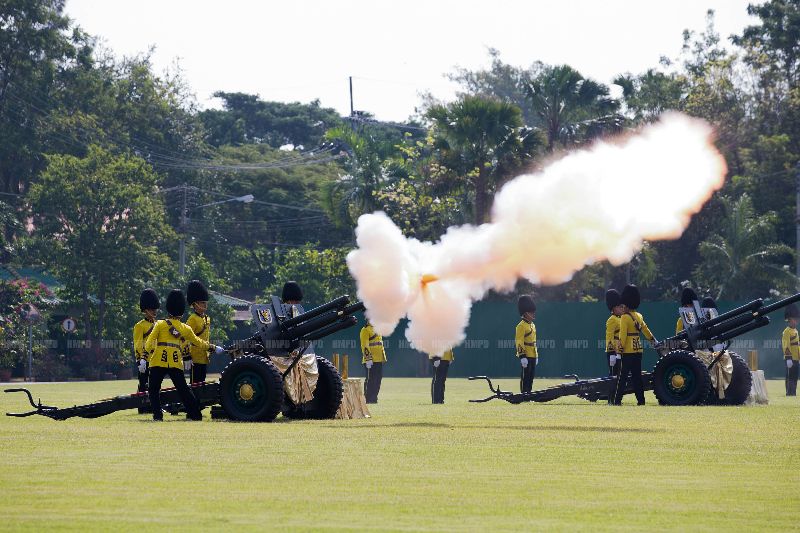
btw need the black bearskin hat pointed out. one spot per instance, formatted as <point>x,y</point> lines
<point>688,296</point>
<point>613,298</point>
<point>176,303</point>
<point>709,303</point>
<point>292,292</point>
<point>631,297</point>
<point>196,292</point>
<point>525,304</point>
<point>149,300</point>
<point>791,312</point>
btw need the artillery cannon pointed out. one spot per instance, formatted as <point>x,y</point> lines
<point>251,387</point>
<point>689,372</point>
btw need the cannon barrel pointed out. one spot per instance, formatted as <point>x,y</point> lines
<point>741,330</point>
<point>322,321</point>
<point>338,303</point>
<point>752,306</point>
<point>779,304</point>
<point>724,327</point>
<point>345,323</point>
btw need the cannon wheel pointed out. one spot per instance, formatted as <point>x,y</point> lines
<point>251,389</point>
<point>327,396</point>
<point>741,382</point>
<point>681,378</point>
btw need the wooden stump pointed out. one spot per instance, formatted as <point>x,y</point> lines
<point>758,394</point>
<point>354,404</point>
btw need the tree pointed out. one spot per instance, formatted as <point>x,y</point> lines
<point>571,107</point>
<point>323,275</point>
<point>743,260</point>
<point>648,95</point>
<point>102,231</point>
<point>482,140</point>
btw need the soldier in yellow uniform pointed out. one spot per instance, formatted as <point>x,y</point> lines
<point>149,305</point>
<point>441,364</point>
<point>613,347</point>
<point>169,341</point>
<point>688,297</point>
<point>197,298</point>
<point>631,325</point>
<point>525,341</point>
<point>373,359</point>
<point>791,348</point>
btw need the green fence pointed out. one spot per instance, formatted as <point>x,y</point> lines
<point>571,339</point>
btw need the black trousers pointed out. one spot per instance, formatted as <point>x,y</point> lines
<point>631,364</point>
<point>157,374</point>
<point>437,383</point>
<point>372,385</point>
<point>198,373</point>
<point>527,375</point>
<point>143,378</point>
<point>791,379</point>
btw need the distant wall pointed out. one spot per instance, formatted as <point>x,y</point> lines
<point>571,339</point>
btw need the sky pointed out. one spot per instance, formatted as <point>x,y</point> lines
<point>304,50</point>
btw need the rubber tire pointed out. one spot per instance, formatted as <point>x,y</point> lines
<point>327,396</point>
<point>741,382</point>
<point>266,405</point>
<point>702,380</point>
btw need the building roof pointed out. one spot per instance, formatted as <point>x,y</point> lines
<point>241,308</point>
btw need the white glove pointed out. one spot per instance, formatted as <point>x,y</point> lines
<point>789,363</point>
<point>187,365</point>
<point>524,362</point>
<point>612,359</point>
<point>619,357</point>
<point>537,361</point>
<point>436,363</point>
<point>369,364</point>
<point>219,350</point>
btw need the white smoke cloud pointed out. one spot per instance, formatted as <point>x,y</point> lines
<point>596,204</point>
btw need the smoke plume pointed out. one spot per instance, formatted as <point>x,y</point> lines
<point>594,204</point>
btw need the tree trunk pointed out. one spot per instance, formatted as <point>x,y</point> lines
<point>481,197</point>
<point>86,310</point>
<point>101,314</point>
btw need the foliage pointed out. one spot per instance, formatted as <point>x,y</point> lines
<point>743,260</point>
<point>323,275</point>
<point>20,301</point>
<point>246,119</point>
<point>481,141</point>
<point>104,230</point>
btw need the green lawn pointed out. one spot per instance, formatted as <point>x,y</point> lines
<point>566,465</point>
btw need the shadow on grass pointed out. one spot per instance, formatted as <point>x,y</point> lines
<point>580,429</point>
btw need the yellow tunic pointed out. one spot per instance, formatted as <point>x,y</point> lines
<point>371,345</point>
<point>525,339</point>
<point>630,326</point>
<point>446,356</point>
<point>612,335</point>
<point>201,325</point>
<point>679,326</point>
<point>791,344</point>
<point>140,332</point>
<point>168,350</point>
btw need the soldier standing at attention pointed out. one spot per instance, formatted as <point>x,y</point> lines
<point>613,349</point>
<point>373,359</point>
<point>197,362</point>
<point>441,363</point>
<point>791,348</point>
<point>631,325</point>
<point>525,341</point>
<point>149,305</point>
<point>167,343</point>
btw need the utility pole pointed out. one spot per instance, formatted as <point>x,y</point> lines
<point>351,96</point>
<point>797,219</point>
<point>184,216</point>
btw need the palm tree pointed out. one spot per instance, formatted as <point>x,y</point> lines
<point>571,107</point>
<point>742,260</point>
<point>481,140</point>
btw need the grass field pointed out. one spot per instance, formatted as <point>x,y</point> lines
<point>565,465</point>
